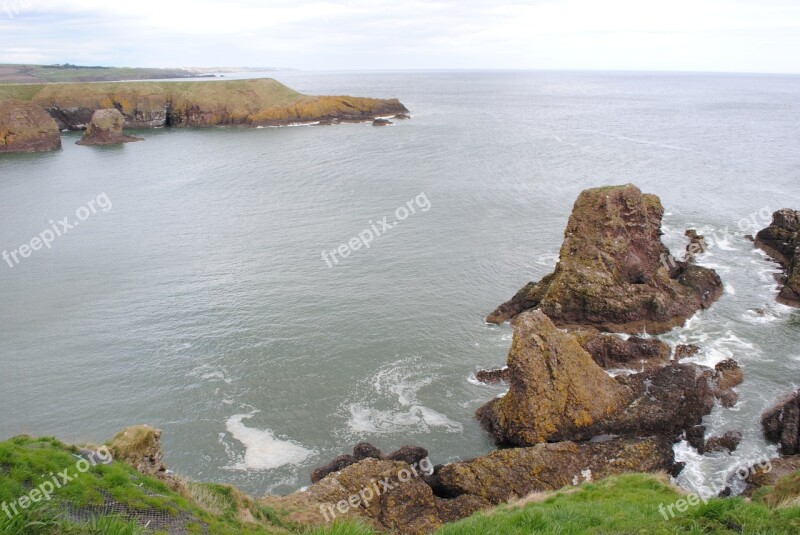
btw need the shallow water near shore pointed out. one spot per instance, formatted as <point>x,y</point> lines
<point>201,303</point>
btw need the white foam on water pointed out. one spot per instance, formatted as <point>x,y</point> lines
<point>397,385</point>
<point>263,451</point>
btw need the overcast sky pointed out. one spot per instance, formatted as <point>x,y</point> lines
<point>684,35</point>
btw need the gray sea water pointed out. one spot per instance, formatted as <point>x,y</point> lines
<point>199,302</point>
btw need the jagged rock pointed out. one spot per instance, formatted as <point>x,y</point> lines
<point>492,376</point>
<point>338,463</point>
<point>781,424</point>
<point>729,375</point>
<point>696,437</point>
<point>555,387</point>
<point>389,495</point>
<point>677,468</point>
<point>697,245</point>
<point>684,351</point>
<point>727,442</point>
<point>408,454</point>
<point>614,273</point>
<point>766,474</point>
<point>507,474</point>
<point>780,241</point>
<point>364,450</point>
<point>105,128</point>
<point>381,122</point>
<point>26,127</point>
<point>610,351</point>
<point>557,392</point>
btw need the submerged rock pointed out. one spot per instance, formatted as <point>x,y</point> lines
<point>614,273</point>
<point>781,424</point>
<point>780,241</point>
<point>381,122</point>
<point>25,127</point>
<point>727,442</point>
<point>105,128</point>
<point>558,392</point>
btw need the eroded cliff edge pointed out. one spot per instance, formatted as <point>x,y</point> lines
<point>259,102</point>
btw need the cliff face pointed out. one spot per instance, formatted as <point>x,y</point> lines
<point>263,102</point>
<point>780,241</point>
<point>25,127</point>
<point>614,273</point>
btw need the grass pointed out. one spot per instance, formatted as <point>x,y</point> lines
<point>72,73</point>
<point>628,504</point>
<point>620,505</point>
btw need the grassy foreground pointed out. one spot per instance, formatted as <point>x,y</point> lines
<point>114,499</point>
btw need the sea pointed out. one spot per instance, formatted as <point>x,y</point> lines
<point>270,297</point>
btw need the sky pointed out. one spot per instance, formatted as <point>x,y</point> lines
<point>650,35</point>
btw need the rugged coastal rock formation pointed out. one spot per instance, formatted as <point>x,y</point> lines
<point>612,352</point>
<point>557,392</point>
<point>105,128</point>
<point>781,424</point>
<point>507,474</point>
<point>25,127</point>
<point>780,241</point>
<point>365,450</point>
<point>614,273</point>
<point>262,102</point>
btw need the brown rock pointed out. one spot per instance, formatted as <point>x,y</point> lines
<point>684,351</point>
<point>557,392</point>
<point>140,447</point>
<point>105,128</point>
<point>614,273</point>
<point>492,376</point>
<point>781,424</point>
<point>780,241</point>
<point>25,127</point>
<point>729,375</point>
<point>766,473</point>
<point>381,122</point>
<point>339,463</point>
<point>610,351</point>
<point>727,442</point>
<point>409,454</point>
<point>365,450</point>
<point>555,388</point>
<point>513,473</point>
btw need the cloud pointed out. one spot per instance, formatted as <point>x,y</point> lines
<point>738,35</point>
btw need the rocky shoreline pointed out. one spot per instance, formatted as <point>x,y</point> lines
<point>143,105</point>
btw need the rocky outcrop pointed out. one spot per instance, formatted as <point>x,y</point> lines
<point>140,447</point>
<point>262,102</point>
<point>780,241</point>
<point>105,128</point>
<point>728,376</point>
<point>557,392</point>
<point>493,376</point>
<point>25,127</point>
<point>612,352</point>
<point>381,122</point>
<point>614,273</point>
<point>781,424</point>
<point>364,450</point>
<point>727,442</point>
<point>508,474</point>
<point>767,474</point>
<point>389,495</point>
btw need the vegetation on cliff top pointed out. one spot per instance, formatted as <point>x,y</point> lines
<point>114,499</point>
<point>22,74</point>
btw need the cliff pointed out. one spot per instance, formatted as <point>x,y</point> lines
<point>261,102</point>
<point>25,127</point>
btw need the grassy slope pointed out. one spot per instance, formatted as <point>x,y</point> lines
<point>623,504</point>
<point>13,74</point>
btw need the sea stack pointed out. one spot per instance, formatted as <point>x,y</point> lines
<point>614,273</point>
<point>105,128</point>
<point>26,127</point>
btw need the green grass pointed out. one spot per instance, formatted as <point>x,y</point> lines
<point>620,505</point>
<point>628,504</point>
<point>10,73</point>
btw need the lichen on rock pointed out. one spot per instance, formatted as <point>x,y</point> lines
<point>105,128</point>
<point>614,273</point>
<point>25,127</point>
